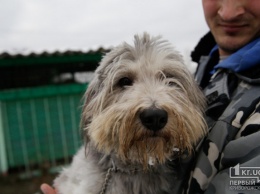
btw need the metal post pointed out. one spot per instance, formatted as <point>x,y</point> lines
<point>3,156</point>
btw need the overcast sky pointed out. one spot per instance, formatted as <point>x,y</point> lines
<point>49,25</point>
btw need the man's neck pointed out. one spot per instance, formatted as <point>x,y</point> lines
<point>222,58</point>
<point>223,52</point>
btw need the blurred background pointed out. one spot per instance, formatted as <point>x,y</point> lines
<point>48,52</point>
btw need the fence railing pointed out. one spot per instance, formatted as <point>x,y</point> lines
<point>39,126</point>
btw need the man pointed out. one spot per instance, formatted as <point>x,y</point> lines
<point>230,78</point>
<point>229,74</point>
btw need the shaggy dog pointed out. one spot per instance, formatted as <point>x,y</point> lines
<point>143,112</point>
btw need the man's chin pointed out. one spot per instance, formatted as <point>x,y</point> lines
<point>229,44</point>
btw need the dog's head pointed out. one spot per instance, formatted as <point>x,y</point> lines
<point>143,103</point>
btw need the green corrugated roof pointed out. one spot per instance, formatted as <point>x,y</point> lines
<point>50,58</point>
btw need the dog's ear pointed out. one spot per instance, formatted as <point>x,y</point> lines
<point>101,73</point>
<point>91,91</point>
<point>93,102</point>
<point>88,107</point>
<point>95,87</point>
<point>124,51</point>
<point>90,94</point>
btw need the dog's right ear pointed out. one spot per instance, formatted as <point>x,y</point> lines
<point>95,86</point>
<point>91,92</point>
<point>88,107</point>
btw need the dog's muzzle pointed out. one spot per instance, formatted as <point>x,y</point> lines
<point>154,119</point>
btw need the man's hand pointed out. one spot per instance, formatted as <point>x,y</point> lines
<point>47,189</point>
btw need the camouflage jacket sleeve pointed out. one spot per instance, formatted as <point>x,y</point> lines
<point>229,158</point>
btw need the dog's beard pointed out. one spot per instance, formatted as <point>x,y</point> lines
<point>121,132</point>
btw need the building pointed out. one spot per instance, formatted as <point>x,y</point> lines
<point>40,105</point>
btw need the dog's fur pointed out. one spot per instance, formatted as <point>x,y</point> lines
<point>124,154</point>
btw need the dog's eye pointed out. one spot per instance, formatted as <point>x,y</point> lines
<point>172,84</point>
<point>125,81</point>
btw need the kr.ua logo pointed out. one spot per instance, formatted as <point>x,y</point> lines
<point>239,172</point>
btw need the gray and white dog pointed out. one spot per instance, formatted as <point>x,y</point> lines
<point>142,111</point>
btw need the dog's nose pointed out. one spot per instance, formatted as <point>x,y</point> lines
<point>153,118</point>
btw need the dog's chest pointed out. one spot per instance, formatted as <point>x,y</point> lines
<point>86,175</point>
<point>140,182</point>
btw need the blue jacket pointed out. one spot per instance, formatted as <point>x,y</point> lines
<point>242,60</point>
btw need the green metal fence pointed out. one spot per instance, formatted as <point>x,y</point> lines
<point>39,125</point>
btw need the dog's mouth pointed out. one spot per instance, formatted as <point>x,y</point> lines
<point>151,135</point>
<point>155,134</point>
